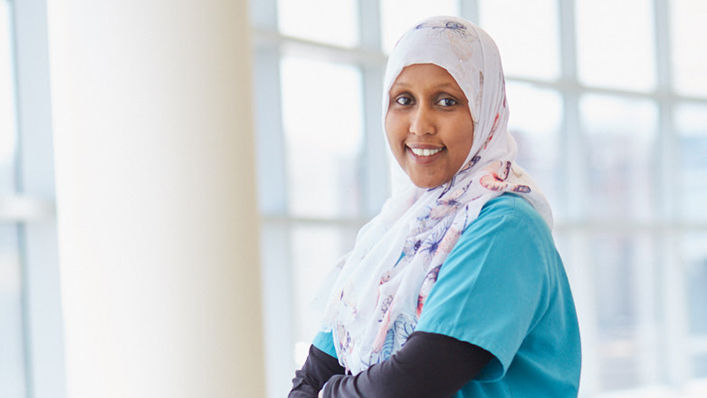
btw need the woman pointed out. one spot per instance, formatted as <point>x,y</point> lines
<point>455,288</point>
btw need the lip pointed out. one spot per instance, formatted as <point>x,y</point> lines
<point>424,146</point>
<point>424,159</point>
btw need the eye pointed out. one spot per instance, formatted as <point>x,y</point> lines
<point>447,102</point>
<point>403,100</point>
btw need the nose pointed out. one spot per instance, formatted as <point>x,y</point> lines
<point>422,121</point>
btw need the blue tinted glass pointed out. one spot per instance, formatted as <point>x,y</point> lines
<point>7,104</point>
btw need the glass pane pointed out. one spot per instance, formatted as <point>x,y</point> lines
<point>329,21</point>
<point>689,45</point>
<point>620,146</point>
<point>700,367</point>
<point>694,253</point>
<point>397,16</point>
<point>315,250</point>
<point>691,122</point>
<point>619,50</point>
<point>12,377</point>
<point>620,263</point>
<point>7,104</point>
<point>323,119</point>
<point>526,33</point>
<point>535,120</point>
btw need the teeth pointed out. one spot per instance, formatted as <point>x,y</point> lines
<point>425,151</point>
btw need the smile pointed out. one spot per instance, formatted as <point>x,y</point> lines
<point>425,151</point>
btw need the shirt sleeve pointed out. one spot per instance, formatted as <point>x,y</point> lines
<point>493,286</point>
<point>317,369</point>
<point>428,366</point>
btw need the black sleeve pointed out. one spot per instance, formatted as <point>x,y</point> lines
<point>429,365</point>
<point>317,369</point>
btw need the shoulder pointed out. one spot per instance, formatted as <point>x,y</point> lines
<point>508,216</point>
<point>510,206</point>
<point>508,235</point>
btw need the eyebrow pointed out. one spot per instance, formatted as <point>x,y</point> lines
<point>439,86</point>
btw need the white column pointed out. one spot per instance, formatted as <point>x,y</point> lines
<point>157,219</point>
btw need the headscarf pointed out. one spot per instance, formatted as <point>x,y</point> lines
<point>381,285</point>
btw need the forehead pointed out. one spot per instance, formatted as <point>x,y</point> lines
<point>425,76</point>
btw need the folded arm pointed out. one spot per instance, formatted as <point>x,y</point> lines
<point>429,365</point>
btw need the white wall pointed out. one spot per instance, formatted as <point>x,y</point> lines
<point>156,208</point>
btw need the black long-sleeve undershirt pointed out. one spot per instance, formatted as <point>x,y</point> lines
<point>317,369</point>
<point>429,365</point>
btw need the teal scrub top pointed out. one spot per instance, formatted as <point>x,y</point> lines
<point>504,288</point>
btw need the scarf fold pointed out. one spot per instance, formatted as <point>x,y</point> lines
<point>380,287</point>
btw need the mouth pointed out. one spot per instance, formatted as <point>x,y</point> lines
<point>425,154</point>
<point>425,151</point>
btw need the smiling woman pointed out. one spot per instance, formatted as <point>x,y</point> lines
<point>455,288</point>
<point>632,213</point>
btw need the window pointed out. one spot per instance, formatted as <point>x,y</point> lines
<point>31,358</point>
<point>610,119</point>
<point>12,358</point>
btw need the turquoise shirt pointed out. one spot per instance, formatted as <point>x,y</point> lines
<point>504,288</point>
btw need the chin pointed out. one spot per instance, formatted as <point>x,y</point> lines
<point>427,183</point>
<point>429,179</point>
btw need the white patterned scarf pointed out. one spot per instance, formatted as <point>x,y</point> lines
<point>381,285</point>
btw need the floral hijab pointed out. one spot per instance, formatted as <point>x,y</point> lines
<point>381,285</point>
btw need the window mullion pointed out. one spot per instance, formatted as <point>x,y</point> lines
<point>665,182</point>
<point>574,187</point>
<point>373,157</point>
<point>574,179</point>
<point>672,271</point>
<point>469,9</point>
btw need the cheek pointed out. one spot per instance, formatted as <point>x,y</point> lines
<point>394,131</point>
<point>463,140</point>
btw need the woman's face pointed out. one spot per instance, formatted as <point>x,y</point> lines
<point>428,124</point>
